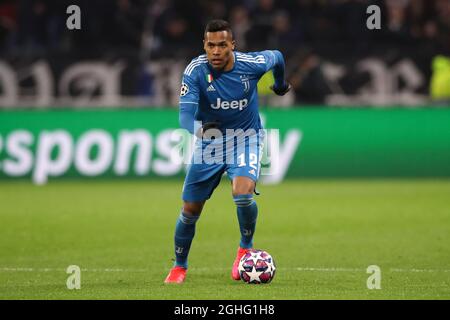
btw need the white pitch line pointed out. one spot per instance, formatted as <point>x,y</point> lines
<point>195,269</point>
<point>419,270</point>
<point>329,269</point>
<point>9,269</point>
<point>364,270</point>
<point>16,269</point>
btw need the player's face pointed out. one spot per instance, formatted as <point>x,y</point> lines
<point>219,48</point>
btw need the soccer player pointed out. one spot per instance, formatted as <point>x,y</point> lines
<point>219,94</point>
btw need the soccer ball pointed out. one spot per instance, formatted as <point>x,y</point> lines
<point>256,266</point>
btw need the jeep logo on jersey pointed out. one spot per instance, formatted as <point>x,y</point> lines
<point>235,104</point>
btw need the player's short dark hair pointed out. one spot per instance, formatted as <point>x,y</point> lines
<point>218,25</point>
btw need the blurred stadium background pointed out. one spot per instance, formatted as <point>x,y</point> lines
<point>132,53</point>
<point>89,115</point>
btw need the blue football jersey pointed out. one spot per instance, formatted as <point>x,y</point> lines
<point>229,97</point>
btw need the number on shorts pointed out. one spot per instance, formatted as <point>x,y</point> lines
<point>253,160</point>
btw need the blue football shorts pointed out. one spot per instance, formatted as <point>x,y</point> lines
<point>210,160</point>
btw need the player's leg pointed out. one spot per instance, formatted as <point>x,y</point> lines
<point>184,233</point>
<point>200,182</point>
<point>247,210</point>
<point>244,174</point>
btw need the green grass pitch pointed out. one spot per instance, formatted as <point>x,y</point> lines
<point>323,234</point>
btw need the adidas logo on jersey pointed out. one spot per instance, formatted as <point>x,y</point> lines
<point>211,88</point>
<point>235,104</point>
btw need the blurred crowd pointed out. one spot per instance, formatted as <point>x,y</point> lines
<point>171,27</point>
<point>305,30</point>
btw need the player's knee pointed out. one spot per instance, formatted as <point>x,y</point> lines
<point>243,189</point>
<point>193,208</point>
<point>242,185</point>
<point>243,200</point>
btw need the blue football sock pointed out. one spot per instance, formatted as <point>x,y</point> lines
<point>184,233</point>
<point>247,212</point>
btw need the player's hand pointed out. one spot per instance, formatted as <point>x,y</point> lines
<point>281,91</point>
<point>203,132</point>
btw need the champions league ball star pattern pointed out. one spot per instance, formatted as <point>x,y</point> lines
<point>257,266</point>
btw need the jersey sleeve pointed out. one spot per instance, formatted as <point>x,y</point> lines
<point>274,60</point>
<point>189,93</point>
<point>271,59</point>
<point>189,99</point>
<point>263,61</point>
